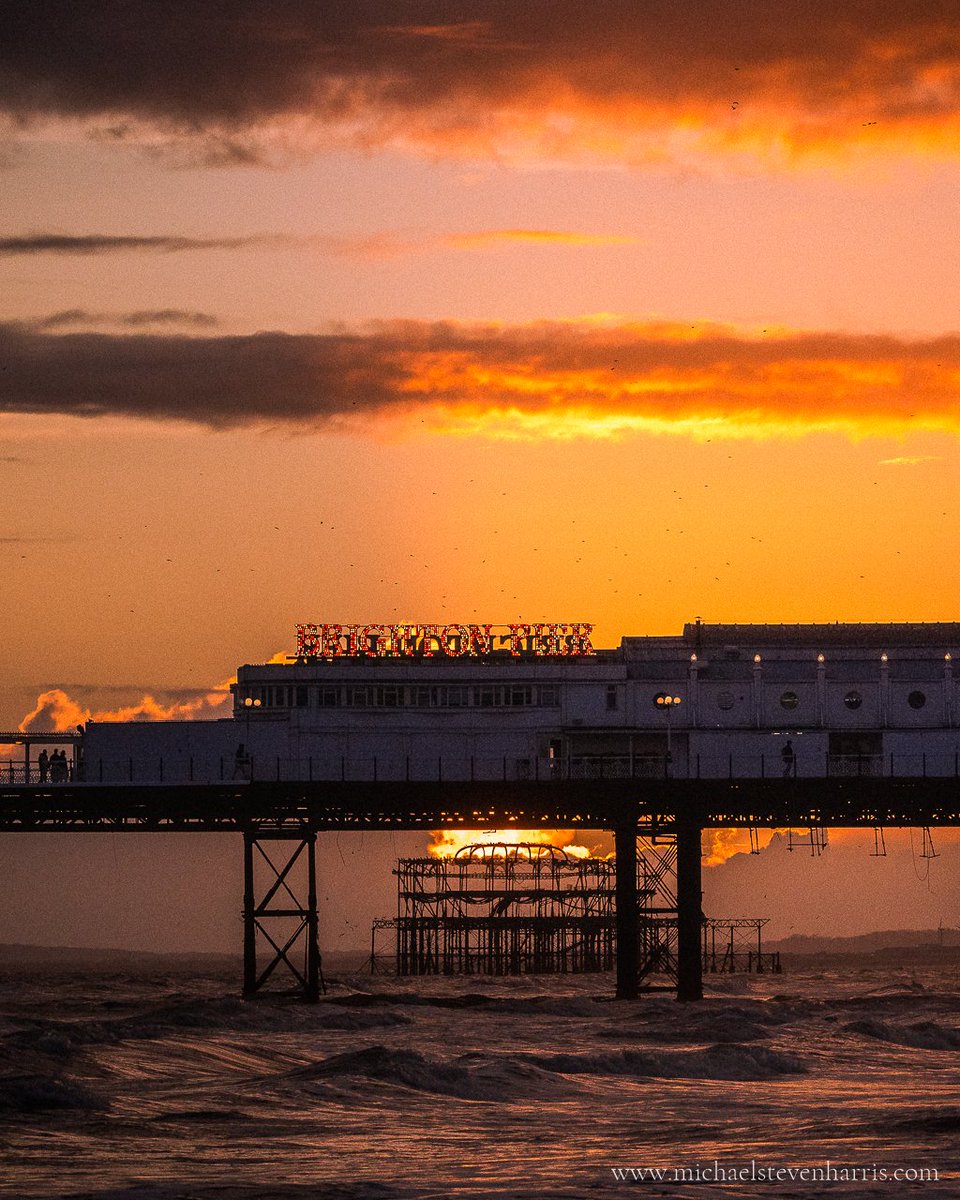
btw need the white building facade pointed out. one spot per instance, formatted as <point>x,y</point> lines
<point>714,702</point>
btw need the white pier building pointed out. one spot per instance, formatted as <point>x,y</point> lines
<point>456,702</point>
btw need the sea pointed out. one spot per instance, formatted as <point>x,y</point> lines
<point>134,1081</point>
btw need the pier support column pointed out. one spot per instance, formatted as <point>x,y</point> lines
<point>279,922</point>
<point>625,837</point>
<point>689,911</point>
<point>312,931</point>
<point>249,919</point>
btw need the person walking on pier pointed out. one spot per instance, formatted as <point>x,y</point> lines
<point>43,762</point>
<point>788,754</point>
<point>241,763</point>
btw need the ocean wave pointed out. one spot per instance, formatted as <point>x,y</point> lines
<point>923,1035</point>
<point>921,1120</point>
<point>723,1061</point>
<point>502,1079</point>
<point>703,1027</point>
<point>338,1020</point>
<point>911,998</point>
<point>201,1115</point>
<point>60,1039</point>
<point>553,1006</point>
<point>41,1093</point>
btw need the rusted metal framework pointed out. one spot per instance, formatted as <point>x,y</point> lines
<point>506,910</point>
<point>737,945</point>
<point>729,945</point>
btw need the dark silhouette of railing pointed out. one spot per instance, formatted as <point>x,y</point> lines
<point>173,769</point>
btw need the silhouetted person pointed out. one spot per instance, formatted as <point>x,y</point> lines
<point>240,763</point>
<point>788,754</point>
<point>43,762</point>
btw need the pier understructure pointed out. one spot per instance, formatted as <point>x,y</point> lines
<point>530,908</point>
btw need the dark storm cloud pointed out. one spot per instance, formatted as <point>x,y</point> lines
<point>217,381</point>
<point>561,377</point>
<point>380,245</point>
<point>143,318</point>
<point>55,243</point>
<point>428,71</point>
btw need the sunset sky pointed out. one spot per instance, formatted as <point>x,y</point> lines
<point>623,313</point>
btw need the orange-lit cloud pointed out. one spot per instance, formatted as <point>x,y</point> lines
<point>589,378</point>
<point>56,710</point>
<point>719,845</point>
<point>643,82</point>
<point>910,460</point>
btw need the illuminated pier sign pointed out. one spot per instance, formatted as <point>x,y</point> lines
<point>454,641</point>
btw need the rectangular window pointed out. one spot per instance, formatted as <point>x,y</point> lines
<point>303,697</point>
<point>357,697</point>
<point>390,697</point>
<point>422,697</point>
<point>486,697</point>
<point>550,696</point>
<point>516,696</point>
<point>613,700</point>
<point>328,697</point>
<point>457,697</point>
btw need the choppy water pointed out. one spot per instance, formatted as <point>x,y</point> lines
<point>162,1086</point>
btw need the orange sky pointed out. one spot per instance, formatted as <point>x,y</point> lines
<point>616,313</point>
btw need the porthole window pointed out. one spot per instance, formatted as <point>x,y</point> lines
<point>789,700</point>
<point>726,700</point>
<point>916,699</point>
<point>853,699</point>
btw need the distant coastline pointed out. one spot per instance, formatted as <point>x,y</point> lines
<point>907,947</point>
<point>17,956</point>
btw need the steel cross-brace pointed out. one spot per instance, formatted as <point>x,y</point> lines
<point>286,925</point>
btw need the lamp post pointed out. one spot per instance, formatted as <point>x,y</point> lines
<point>248,757</point>
<point>669,703</point>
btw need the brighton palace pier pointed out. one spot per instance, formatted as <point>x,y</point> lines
<point>529,726</point>
<point>539,702</point>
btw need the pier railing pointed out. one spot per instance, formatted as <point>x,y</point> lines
<point>456,768</point>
